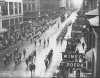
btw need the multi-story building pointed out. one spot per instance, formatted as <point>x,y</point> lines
<point>29,8</point>
<point>90,4</point>
<point>32,8</point>
<point>11,13</point>
<point>52,4</point>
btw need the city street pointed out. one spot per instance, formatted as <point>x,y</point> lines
<point>49,39</point>
<point>52,33</point>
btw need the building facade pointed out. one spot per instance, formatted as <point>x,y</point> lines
<point>90,5</point>
<point>30,8</point>
<point>11,13</point>
<point>29,5</point>
<point>52,4</point>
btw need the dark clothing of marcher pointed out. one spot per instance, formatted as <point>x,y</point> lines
<point>46,63</point>
<point>40,41</point>
<point>34,53</point>
<point>44,43</point>
<point>27,61</point>
<point>83,45</point>
<point>32,67</point>
<point>24,52</point>
<point>35,43</point>
<point>48,59</point>
<point>48,41</point>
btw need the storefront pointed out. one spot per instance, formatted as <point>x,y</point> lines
<point>94,22</point>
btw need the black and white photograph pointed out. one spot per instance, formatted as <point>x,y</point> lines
<point>49,39</point>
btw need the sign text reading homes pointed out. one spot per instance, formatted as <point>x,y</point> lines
<point>74,60</point>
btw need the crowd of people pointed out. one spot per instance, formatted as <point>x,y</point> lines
<point>76,45</point>
<point>48,59</point>
<point>15,57</point>
<point>27,31</point>
<point>71,48</point>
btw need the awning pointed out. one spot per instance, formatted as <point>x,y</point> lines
<point>94,21</point>
<point>93,12</point>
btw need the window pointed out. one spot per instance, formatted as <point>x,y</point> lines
<point>16,8</point>
<point>20,8</point>
<point>4,8</point>
<point>20,19</point>
<point>24,7</point>
<point>33,7</point>
<point>11,22</point>
<point>11,8</point>
<point>29,7</point>
<point>16,20</point>
<point>5,23</point>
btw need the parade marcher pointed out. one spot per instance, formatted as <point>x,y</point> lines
<point>50,55</point>
<point>27,61</point>
<point>44,43</point>
<point>34,56</point>
<point>30,58</point>
<point>58,25</point>
<point>5,60</point>
<point>20,56</point>
<point>32,66</point>
<point>77,51</point>
<point>31,40</point>
<point>10,57</point>
<point>48,41</point>
<point>61,41</point>
<point>24,52</point>
<point>16,52</point>
<point>40,41</point>
<point>83,45</point>
<point>73,47</point>
<point>35,43</point>
<point>48,59</point>
<point>16,63</point>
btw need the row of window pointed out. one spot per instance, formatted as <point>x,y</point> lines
<point>89,5</point>
<point>29,7</point>
<point>11,22</point>
<point>13,6</point>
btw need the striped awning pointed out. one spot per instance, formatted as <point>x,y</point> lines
<point>94,21</point>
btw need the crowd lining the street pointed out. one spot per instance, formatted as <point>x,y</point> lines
<point>27,31</point>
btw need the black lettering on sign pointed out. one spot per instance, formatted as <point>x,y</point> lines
<point>75,65</point>
<point>73,56</point>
